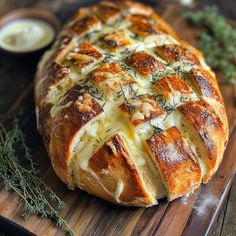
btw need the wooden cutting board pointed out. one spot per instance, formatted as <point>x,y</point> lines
<point>89,215</point>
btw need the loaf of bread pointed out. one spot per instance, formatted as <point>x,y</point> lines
<point>127,109</point>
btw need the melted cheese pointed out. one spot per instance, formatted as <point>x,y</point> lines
<point>119,189</point>
<point>94,134</point>
<point>56,109</point>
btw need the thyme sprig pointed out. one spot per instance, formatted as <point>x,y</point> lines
<point>19,173</point>
<point>161,74</point>
<point>121,93</point>
<point>156,129</point>
<point>168,107</point>
<point>94,92</point>
<point>218,42</point>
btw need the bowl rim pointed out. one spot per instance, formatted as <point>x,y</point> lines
<point>30,13</point>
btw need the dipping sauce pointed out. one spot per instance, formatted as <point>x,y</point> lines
<point>26,35</point>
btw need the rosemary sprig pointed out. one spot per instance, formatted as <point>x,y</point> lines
<point>20,174</point>
<point>218,43</point>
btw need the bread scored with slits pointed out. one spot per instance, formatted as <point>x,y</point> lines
<point>127,109</point>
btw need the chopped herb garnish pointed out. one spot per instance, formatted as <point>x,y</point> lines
<point>126,52</point>
<point>121,93</point>
<point>159,99</point>
<point>185,99</point>
<point>104,104</point>
<point>156,129</point>
<point>167,107</point>
<point>170,108</point>
<point>108,57</point>
<point>132,90</point>
<point>134,36</point>
<point>161,74</point>
<point>124,66</point>
<point>93,92</point>
<point>108,130</point>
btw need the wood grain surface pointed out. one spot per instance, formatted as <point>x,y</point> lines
<point>89,215</point>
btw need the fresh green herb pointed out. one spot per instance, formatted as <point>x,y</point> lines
<point>108,57</point>
<point>181,69</point>
<point>167,107</point>
<point>99,140</point>
<point>121,93</point>
<point>94,92</point>
<point>170,108</point>
<point>218,43</point>
<point>134,36</point>
<point>161,74</point>
<point>185,99</point>
<point>19,173</point>
<point>159,99</point>
<point>88,36</point>
<point>126,52</point>
<point>156,129</point>
<point>133,75</point>
<point>108,130</point>
<point>132,90</point>
<point>124,66</point>
<point>104,104</point>
<point>97,143</point>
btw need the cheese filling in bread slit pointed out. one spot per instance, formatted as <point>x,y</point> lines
<point>96,133</point>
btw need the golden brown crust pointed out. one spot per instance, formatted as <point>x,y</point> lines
<point>101,74</point>
<point>108,12</point>
<point>83,56</point>
<point>65,125</point>
<point>144,63</point>
<point>210,129</point>
<point>116,40</point>
<point>87,49</point>
<point>204,83</point>
<point>135,7</point>
<point>176,53</point>
<point>51,76</point>
<point>176,161</point>
<point>85,25</point>
<point>172,84</point>
<point>112,163</point>
<point>142,25</point>
<point>112,75</point>
<point>62,46</point>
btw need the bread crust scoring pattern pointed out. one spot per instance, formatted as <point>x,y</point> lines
<point>127,109</point>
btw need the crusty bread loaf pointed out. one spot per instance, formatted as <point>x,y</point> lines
<point>127,109</point>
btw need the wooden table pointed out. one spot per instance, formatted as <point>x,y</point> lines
<point>16,78</point>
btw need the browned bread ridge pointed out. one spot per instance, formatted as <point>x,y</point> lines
<point>127,109</point>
